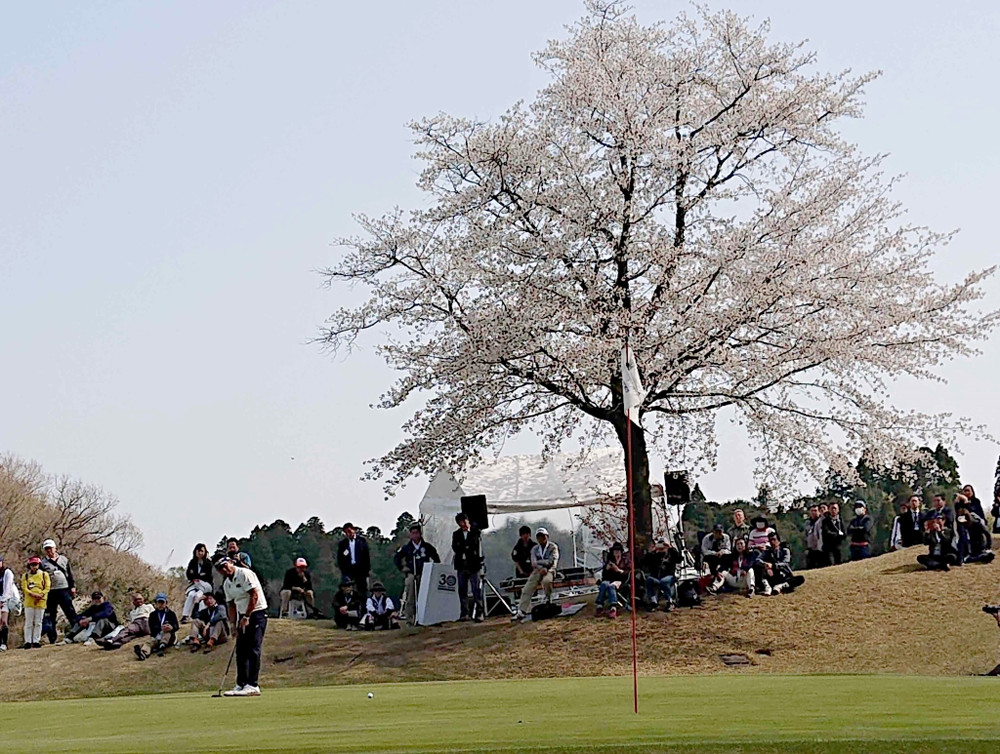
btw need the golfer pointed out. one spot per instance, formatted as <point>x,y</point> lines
<point>248,614</point>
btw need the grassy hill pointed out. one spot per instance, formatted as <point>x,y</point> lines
<point>880,616</point>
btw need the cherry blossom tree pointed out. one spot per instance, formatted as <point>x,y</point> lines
<point>686,187</point>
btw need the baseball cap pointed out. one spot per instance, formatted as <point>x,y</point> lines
<point>34,560</point>
<point>378,586</point>
<point>300,562</point>
<point>541,530</point>
<point>48,543</point>
<point>96,595</point>
<point>718,527</point>
<point>347,581</point>
<point>161,597</point>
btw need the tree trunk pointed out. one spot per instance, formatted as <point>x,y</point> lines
<point>642,498</point>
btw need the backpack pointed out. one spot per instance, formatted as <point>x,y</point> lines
<point>687,593</point>
<point>545,610</point>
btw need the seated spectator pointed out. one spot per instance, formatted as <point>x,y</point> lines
<point>736,572</point>
<point>974,542</point>
<point>740,528</point>
<point>612,578</point>
<point>544,559</point>
<point>660,566</point>
<point>97,621</point>
<point>199,575</point>
<point>715,547</point>
<point>209,626</point>
<point>163,627</point>
<point>138,625</point>
<point>380,612</point>
<point>297,585</point>
<point>347,606</point>
<point>758,537</point>
<point>521,554</point>
<point>773,570</point>
<point>859,532</point>
<point>940,509</point>
<point>941,552</point>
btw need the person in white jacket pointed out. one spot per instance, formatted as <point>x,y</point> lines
<point>7,594</point>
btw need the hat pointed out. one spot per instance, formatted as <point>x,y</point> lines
<point>718,527</point>
<point>161,597</point>
<point>347,581</point>
<point>300,562</point>
<point>34,560</point>
<point>378,586</point>
<point>48,543</point>
<point>860,504</point>
<point>96,595</point>
<point>541,530</point>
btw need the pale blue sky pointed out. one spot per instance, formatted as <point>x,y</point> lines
<point>172,174</point>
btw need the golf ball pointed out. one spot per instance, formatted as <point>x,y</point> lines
<point>371,695</point>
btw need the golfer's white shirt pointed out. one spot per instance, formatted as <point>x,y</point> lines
<point>238,587</point>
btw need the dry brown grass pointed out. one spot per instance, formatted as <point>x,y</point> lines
<point>880,616</point>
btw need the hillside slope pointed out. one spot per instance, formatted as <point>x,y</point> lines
<point>880,616</point>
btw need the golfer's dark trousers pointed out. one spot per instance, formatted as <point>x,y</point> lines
<point>248,643</point>
<point>59,598</point>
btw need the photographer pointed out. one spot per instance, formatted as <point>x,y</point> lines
<point>941,553</point>
<point>410,559</point>
<point>973,536</point>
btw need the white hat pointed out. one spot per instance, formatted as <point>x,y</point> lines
<point>49,543</point>
<point>541,530</point>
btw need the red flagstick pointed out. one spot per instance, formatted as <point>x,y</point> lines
<point>631,535</point>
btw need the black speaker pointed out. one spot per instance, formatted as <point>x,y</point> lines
<point>474,506</point>
<point>675,488</point>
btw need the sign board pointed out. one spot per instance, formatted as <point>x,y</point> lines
<point>437,601</point>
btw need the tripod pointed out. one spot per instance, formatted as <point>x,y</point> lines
<point>501,600</point>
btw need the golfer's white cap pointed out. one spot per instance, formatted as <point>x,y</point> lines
<point>541,530</point>
<point>300,562</point>
<point>48,543</point>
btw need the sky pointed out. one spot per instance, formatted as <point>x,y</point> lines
<point>173,175</point>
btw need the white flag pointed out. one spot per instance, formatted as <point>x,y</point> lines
<point>632,393</point>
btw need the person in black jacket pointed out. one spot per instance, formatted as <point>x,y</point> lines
<point>354,560</point>
<point>347,606</point>
<point>974,542</point>
<point>660,567</point>
<point>859,532</point>
<point>773,570</point>
<point>163,627</point>
<point>975,505</point>
<point>521,554</point>
<point>199,576</point>
<point>941,553</point>
<point>832,530</point>
<point>298,585</point>
<point>95,622</point>
<point>466,543</point>
<point>410,559</point>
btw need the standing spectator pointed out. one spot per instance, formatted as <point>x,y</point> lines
<point>163,628</point>
<point>248,615</point>
<point>740,528</point>
<point>544,559</point>
<point>209,626</point>
<point>380,612</point>
<point>138,625</point>
<point>6,601</point>
<point>814,537</point>
<point>906,526</point>
<point>354,559</point>
<point>859,532</point>
<point>996,515</point>
<point>737,570</point>
<point>35,585</point>
<point>241,559</point>
<point>199,576</point>
<point>466,543</point>
<point>347,608</point>
<point>410,559</point>
<point>714,547</point>
<point>63,587</point>
<point>298,585</point>
<point>660,566</point>
<point>757,540</point>
<point>973,535</point>
<point>975,505</point>
<point>521,554</point>
<point>941,553</point>
<point>612,578</point>
<point>832,529</point>
<point>96,622</point>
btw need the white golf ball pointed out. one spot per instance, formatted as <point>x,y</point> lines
<point>371,695</point>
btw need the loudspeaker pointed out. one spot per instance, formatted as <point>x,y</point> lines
<point>676,490</point>
<point>474,506</point>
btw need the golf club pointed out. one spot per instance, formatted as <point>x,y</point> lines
<point>224,675</point>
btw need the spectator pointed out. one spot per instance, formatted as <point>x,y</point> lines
<point>63,587</point>
<point>410,559</point>
<point>975,505</point>
<point>544,559</point>
<point>466,543</point>
<point>996,516</point>
<point>242,559</point>
<point>814,539</point>
<point>297,585</point>
<point>736,572</point>
<point>347,605</point>
<point>940,509</point>
<point>715,547</point>
<point>832,529</point>
<point>163,628</point>
<point>660,566</point>
<point>941,553</point>
<point>758,537</point>
<point>96,622</point>
<point>199,576</point>
<point>209,626</point>
<point>973,535</point>
<point>740,528</point>
<point>774,568</point>
<point>6,602</point>
<point>247,607</point>
<point>354,559</point>
<point>380,612</point>
<point>35,585</point>
<point>138,625</point>
<point>521,554</point>
<point>612,578</point>
<point>859,532</point>
<point>906,526</point>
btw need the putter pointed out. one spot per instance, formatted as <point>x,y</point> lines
<point>224,675</point>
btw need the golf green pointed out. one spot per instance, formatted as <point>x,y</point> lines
<point>700,713</point>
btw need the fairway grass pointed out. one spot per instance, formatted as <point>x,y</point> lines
<point>700,713</point>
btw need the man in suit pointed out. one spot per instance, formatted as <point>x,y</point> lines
<point>466,543</point>
<point>354,560</point>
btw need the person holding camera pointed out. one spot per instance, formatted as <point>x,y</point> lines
<point>410,559</point>
<point>941,552</point>
<point>974,542</point>
<point>466,543</point>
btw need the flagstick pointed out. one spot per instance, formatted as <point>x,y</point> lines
<point>631,535</point>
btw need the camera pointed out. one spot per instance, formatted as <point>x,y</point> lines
<point>991,609</point>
